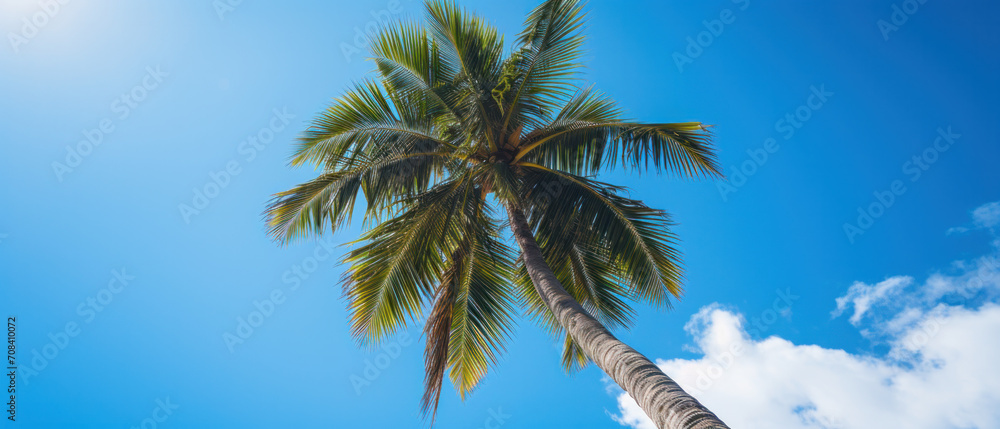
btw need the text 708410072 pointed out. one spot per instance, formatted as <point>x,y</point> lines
<point>12,367</point>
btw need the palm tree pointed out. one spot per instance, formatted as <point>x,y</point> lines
<point>451,133</point>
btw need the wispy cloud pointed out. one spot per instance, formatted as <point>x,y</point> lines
<point>863,296</point>
<point>986,216</point>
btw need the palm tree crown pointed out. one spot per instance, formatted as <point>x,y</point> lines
<point>455,128</point>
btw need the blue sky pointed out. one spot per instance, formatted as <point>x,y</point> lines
<point>191,95</point>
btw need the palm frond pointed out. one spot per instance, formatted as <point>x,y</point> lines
<point>311,207</point>
<point>474,49</point>
<point>573,357</point>
<point>393,273</point>
<point>590,133</point>
<point>438,332</point>
<point>327,201</point>
<point>484,312</point>
<point>637,237</point>
<point>473,314</point>
<point>410,63</point>
<point>545,64</point>
<point>364,122</point>
<point>584,266</point>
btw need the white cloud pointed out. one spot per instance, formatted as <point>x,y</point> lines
<point>863,296</point>
<point>941,373</point>
<point>940,370</point>
<point>957,230</point>
<point>987,216</point>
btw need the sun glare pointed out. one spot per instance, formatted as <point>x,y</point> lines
<point>25,21</point>
<point>18,8</point>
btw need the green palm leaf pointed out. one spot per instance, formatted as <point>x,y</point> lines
<point>636,236</point>
<point>545,64</point>
<point>590,133</point>
<point>392,275</point>
<point>474,49</point>
<point>474,307</point>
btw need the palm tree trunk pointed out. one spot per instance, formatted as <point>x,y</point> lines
<point>660,397</point>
